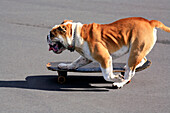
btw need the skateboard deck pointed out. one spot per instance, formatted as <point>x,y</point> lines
<point>90,68</point>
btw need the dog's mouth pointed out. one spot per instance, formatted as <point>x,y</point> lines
<point>57,47</point>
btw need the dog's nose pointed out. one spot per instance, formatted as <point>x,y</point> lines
<point>47,38</point>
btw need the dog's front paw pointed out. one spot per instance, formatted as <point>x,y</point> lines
<point>117,78</point>
<point>65,66</point>
<point>117,85</point>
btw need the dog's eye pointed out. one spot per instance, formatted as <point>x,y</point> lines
<point>51,35</point>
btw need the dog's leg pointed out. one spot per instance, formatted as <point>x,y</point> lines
<point>136,58</point>
<point>81,61</point>
<point>108,72</point>
<point>131,65</point>
<point>142,62</point>
<point>130,72</point>
<point>127,77</point>
<point>102,56</point>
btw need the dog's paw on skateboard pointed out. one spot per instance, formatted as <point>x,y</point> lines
<point>65,66</point>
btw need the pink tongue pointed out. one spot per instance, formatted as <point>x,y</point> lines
<point>50,49</point>
<point>54,48</point>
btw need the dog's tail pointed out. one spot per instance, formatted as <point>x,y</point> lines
<point>158,24</point>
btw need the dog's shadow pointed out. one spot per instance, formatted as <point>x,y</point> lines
<point>49,83</point>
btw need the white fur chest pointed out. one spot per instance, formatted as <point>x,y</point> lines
<point>85,51</point>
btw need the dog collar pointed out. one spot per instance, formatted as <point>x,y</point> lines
<point>72,47</point>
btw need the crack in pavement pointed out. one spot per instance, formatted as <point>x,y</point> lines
<point>166,42</point>
<point>31,25</point>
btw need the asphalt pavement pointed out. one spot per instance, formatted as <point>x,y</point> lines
<point>26,86</point>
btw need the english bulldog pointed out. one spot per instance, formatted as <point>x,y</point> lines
<point>103,43</point>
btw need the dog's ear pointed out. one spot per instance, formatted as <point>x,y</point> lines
<point>62,28</point>
<point>66,21</point>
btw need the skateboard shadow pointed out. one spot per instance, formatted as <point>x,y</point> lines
<point>49,83</point>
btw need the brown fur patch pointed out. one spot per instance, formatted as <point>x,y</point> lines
<point>108,38</point>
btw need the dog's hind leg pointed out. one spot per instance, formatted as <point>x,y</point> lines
<point>129,71</point>
<point>136,58</point>
<point>140,64</point>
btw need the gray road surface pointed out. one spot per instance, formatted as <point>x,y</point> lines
<point>26,86</point>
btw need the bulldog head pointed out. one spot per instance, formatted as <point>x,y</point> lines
<point>60,37</point>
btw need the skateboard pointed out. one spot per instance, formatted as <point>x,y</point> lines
<point>90,68</point>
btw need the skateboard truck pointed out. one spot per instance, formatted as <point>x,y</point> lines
<point>62,77</point>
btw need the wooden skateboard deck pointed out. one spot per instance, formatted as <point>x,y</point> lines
<point>90,68</point>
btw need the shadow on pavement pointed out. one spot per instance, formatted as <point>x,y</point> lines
<point>49,83</point>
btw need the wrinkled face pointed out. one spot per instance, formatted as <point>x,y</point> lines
<point>60,37</point>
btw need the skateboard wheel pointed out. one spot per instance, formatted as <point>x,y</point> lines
<point>61,79</point>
